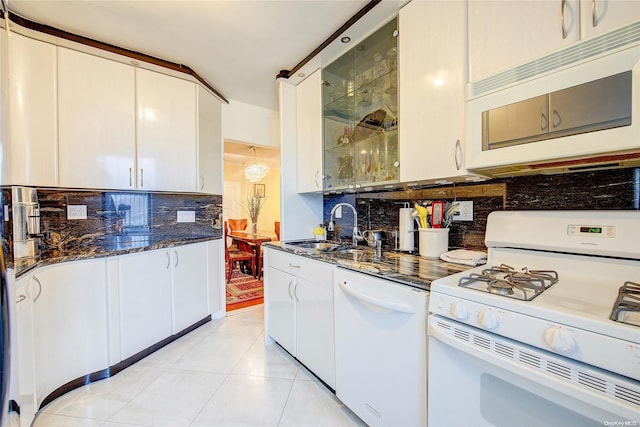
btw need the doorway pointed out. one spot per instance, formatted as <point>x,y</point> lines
<point>245,287</point>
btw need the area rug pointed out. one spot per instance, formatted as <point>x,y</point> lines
<point>243,291</point>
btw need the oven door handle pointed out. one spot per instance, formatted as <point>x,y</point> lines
<point>593,398</point>
<point>388,305</point>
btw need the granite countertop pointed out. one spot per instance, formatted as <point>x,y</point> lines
<point>401,267</point>
<point>101,247</point>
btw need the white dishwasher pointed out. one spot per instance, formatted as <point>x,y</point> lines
<point>381,349</point>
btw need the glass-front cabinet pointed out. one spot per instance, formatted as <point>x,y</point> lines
<point>360,114</point>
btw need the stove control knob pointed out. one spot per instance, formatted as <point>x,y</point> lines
<point>559,339</point>
<point>459,311</point>
<point>488,320</point>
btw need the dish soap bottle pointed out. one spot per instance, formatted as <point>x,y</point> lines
<point>320,233</point>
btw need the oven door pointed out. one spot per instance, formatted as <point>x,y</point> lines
<point>477,379</point>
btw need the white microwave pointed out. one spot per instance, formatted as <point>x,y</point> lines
<point>515,124</point>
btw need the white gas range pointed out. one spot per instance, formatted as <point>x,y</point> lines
<point>549,328</point>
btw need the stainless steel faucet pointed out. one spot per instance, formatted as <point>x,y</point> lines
<point>356,234</point>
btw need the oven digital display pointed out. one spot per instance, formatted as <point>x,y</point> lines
<point>591,230</point>
<point>588,231</point>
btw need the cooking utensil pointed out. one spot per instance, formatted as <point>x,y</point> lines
<point>437,214</point>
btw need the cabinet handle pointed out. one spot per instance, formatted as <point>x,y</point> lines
<point>315,178</point>
<point>295,292</point>
<point>458,155</point>
<point>168,260</point>
<point>201,180</point>
<point>141,177</point>
<point>35,279</point>
<point>20,298</point>
<point>294,265</point>
<point>290,283</point>
<point>564,28</point>
<point>177,260</point>
<point>594,18</point>
<point>130,178</point>
<point>543,122</point>
<point>556,119</point>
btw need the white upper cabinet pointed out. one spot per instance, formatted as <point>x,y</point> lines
<point>33,134</point>
<point>309,133</point>
<point>503,34</point>
<point>166,132</point>
<point>599,16</point>
<point>210,170</point>
<point>432,66</point>
<point>96,109</point>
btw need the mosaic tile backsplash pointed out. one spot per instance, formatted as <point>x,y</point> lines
<point>596,190</point>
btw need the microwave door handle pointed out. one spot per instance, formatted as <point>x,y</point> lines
<point>522,370</point>
<point>557,120</point>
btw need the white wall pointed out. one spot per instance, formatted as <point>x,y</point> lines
<point>250,124</point>
<point>300,213</point>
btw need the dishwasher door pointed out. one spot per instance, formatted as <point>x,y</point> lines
<point>381,349</point>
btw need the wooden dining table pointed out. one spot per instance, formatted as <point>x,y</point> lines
<point>253,239</point>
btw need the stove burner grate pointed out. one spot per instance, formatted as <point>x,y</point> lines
<point>506,281</point>
<point>628,301</point>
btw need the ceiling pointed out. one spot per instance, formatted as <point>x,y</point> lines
<point>237,46</point>
<point>242,154</point>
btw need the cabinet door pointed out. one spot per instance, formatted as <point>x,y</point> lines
<point>33,110</point>
<point>309,133</point>
<point>210,164</point>
<point>96,122</point>
<point>432,82</point>
<point>145,299</point>
<point>315,346</point>
<point>22,350</point>
<point>189,285</point>
<point>503,34</point>
<point>166,132</point>
<point>278,288</point>
<point>599,16</point>
<point>69,323</point>
<point>215,278</point>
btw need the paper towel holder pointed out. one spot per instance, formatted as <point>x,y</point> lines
<point>405,243</point>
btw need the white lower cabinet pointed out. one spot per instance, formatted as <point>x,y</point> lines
<point>161,292</point>
<point>71,317</point>
<point>145,300</point>
<point>22,351</point>
<point>216,283</point>
<point>189,285</point>
<point>69,323</point>
<point>299,310</point>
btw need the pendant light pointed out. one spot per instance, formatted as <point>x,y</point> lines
<point>256,171</point>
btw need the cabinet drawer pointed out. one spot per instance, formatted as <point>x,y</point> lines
<point>296,265</point>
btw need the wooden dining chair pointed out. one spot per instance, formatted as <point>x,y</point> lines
<point>277,229</point>
<point>234,255</point>
<point>238,224</point>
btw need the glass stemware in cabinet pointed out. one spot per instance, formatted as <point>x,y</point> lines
<point>360,107</point>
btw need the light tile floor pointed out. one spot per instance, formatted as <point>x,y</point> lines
<point>221,374</point>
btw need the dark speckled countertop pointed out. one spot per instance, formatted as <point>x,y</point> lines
<point>404,268</point>
<point>106,246</point>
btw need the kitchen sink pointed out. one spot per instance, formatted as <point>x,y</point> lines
<point>316,246</point>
